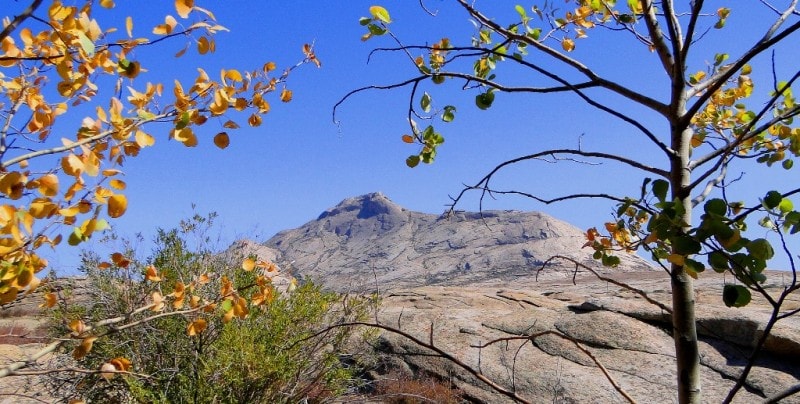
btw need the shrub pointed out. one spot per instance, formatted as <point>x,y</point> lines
<point>271,354</point>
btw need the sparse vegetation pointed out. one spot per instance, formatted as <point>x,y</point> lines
<point>267,356</point>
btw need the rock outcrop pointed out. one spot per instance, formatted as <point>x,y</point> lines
<point>630,337</point>
<point>369,242</point>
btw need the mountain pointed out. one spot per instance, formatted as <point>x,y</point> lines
<point>369,242</point>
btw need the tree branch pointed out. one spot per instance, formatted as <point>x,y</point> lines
<point>19,19</point>
<point>580,67</point>
<point>623,285</point>
<point>657,35</point>
<point>705,90</point>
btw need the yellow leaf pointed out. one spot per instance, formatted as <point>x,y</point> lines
<point>83,349</point>
<point>233,75</point>
<point>222,140</point>
<point>568,44</point>
<point>107,3</point>
<point>676,259</point>
<point>186,136</point>
<point>379,13</point>
<point>158,302</point>
<point>117,184</point>
<point>184,7</point>
<point>167,27</point>
<point>269,66</point>
<point>77,326</point>
<point>248,264</point>
<point>196,327</point>
<point>143,139</point>
<point>129,26</point>
<point>9,296</point>
<point>117,205</point>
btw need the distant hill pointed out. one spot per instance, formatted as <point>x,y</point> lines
<point>369,240</point>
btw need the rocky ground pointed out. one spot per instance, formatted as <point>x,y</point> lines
<point>626,334</point>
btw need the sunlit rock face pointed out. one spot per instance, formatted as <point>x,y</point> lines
<point>369,242</point>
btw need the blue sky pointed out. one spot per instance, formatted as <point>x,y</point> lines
<point>298,163</point>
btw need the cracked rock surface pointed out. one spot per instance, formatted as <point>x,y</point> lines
<point>627,335</point>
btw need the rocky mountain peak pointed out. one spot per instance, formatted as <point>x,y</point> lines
<point>368,240</point>
<point>364,207</point>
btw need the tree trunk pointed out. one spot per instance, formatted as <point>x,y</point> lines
<point>683,310</point>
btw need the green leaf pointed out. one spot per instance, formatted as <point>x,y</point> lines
<point>735,296</point>
<point>86,44</point>
<point>772,199</point>
<point>716,207</point>
<point>685,245</point>
<point>785,206</point>
<point>425,102</point>
<point>381,14</point>
<point>719,58</point>
<point>449,113</point>
<point>660,188</point>
<point>76,237</point>
<point>376,30</point>
<point>718,261</point>
<point>787,164</point>
<point>484,100</point>
<point>521,11</point>
<point>760,249</point>
<point>534,33</point>
<point>412,161</point>
<point>610,260</point>
<point>183,121</point>
<point>226,305</point>
<point>694,266</point>
<point>364,21</point>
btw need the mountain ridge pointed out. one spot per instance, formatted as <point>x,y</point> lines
<point>369,241</point>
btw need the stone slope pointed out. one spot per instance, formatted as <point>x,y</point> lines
<point>630,337</point>
<point>369,242</point>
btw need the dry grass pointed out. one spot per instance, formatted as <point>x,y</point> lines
<point>397,388</point>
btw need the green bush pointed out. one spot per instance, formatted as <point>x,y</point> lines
<point>272,355</point>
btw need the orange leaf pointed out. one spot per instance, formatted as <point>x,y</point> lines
<point>408,138</point>
<point>120,260</point>
<point>84,348</point>
<point>50,300</point>
<point>117,205</point>
<point>196,327</point>
<point>222,140</point>
<point>151,274</point>
<point>286,95</point>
